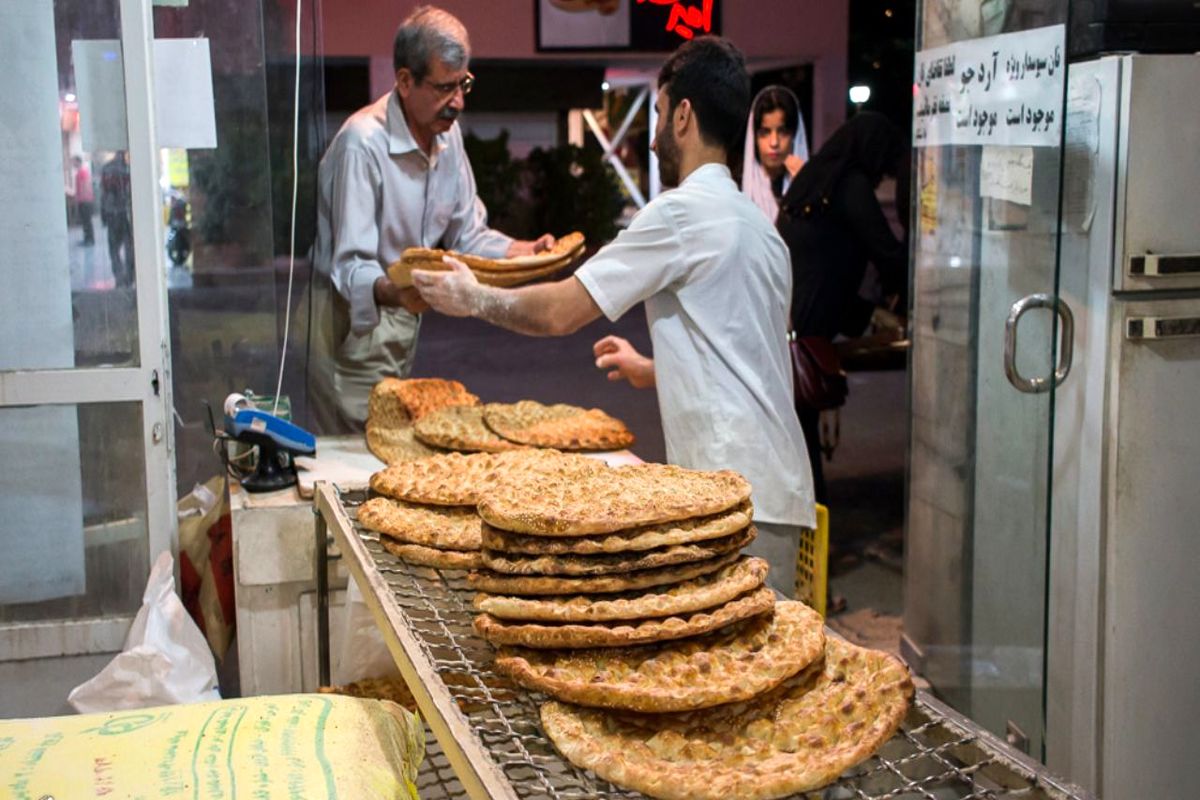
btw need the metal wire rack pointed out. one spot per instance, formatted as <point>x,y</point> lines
<point>478,715</point>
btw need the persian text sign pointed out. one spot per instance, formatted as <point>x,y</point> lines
<point>1005,89</point>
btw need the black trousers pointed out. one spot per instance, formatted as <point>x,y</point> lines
<point>810,423</point>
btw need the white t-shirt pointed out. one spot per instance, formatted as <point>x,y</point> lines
<point>717,282</point>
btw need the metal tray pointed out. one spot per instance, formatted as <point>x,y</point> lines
<point>487,739</point>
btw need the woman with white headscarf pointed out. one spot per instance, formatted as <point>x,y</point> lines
<point>776,147</point>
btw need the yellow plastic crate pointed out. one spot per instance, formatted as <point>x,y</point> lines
<point>812,563</point>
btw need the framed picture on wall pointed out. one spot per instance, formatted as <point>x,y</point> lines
<point>639,25</point>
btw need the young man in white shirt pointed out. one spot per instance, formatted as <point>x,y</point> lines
<point>716,279</point>
<point>395,176</point>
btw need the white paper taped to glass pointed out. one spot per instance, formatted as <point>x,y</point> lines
<point>1005,90</point>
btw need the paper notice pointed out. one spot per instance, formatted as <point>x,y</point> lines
<point>1006,173</point>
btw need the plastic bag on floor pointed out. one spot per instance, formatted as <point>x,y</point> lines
<point>165,661</point>
<point>362,652</point>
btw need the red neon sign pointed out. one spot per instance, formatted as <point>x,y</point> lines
<point>686,20</point>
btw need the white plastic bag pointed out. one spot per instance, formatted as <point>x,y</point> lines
<point>165,661</point>
<point>363,653</point>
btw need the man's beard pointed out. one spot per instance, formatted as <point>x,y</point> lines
<point>668,158</point>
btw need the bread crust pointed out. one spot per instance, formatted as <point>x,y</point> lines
<point>613,563</point>
<point>457,479</point>
<point>683,675</point>
<point>440,527</point>
<point>795,738</point>
<point>499,583</point>
<point>392,445</point>
<point>430,556</point>
<point>708,591</point>
<point>562,426</point>
<point>618,499</point>
<point>620,634</point>
<point>460,428</point>
<point>647,537</point>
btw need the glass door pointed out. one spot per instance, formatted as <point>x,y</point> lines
<point>988,91</point>
<point>87,491</point>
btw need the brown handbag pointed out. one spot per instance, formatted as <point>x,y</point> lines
<point>817,372</point>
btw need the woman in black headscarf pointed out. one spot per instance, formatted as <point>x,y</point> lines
<point>833,226</point>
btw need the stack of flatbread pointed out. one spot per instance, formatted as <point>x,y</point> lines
<point>498,427</point>
<point>491,271</point>
<point>623,594</point>
<point>395,404</point>
<point>425,509</point>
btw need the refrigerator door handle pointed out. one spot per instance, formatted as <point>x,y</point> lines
<point>1066,340</point>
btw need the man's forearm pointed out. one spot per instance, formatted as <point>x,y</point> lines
<point>530,310</point>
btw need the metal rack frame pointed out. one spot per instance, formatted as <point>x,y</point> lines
<point>488,738</point>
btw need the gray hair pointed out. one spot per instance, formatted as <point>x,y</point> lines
<point>429,33</point>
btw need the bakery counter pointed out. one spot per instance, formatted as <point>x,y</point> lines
<point>275,570</point>
<point>489,738</point>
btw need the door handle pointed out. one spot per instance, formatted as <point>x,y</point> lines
<point>1066,339</point>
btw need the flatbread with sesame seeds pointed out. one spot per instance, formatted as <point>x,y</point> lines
<point>613,563</point>
<point>455,479</point>
<point>724,667</point>
<point>563,426</point>
<point>431,556</point>
<point>614,500</point>
<point>499,583</point>
<point>396,402</point>
<point>392,445</point>
<point>707,591</point>
<point>441,527</point>
<point>637,539</point>
<point>628,632</point>
<point>460,428</point>
<point>795,738</point>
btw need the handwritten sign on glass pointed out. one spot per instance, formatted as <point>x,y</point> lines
<point>1005,90</point>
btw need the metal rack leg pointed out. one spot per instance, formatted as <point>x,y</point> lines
<point>321,559</point>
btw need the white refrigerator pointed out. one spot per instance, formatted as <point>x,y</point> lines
<point>1123,610</point>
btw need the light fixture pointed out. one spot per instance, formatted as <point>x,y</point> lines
<point>69,97</point>
<point>859,94</point>
<point>604,86</point>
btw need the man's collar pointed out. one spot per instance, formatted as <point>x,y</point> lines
<point>400,138</point>
<point>713,168</point>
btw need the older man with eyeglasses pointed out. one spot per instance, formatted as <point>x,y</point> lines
<point>395,176</point>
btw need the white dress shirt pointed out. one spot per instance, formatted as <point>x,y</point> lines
<point>378,194</point>
<point>717,282</point>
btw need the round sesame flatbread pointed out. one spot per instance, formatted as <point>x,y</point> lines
<point>460,428</point>
<point>613,500</point>
<point>724,667</point>
<point>707,591</point>
<point>431,556</point>
<point>396,402</point>
<point>441,527</point>
<point>795,738</point>
<point>619,634</point>
<point>499,583</point>
<point>637,539</point>
<point>612,563</point>
<point>392,445</point>
<point>561,426</point>
<point>455,479</point>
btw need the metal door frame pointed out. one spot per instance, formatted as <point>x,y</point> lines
<point>148,384</point>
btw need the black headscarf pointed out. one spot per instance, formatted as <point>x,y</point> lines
<point>868,142</point>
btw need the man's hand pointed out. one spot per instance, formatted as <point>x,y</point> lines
<point>792,164</point>
<point>525,248</point>
<point>389,294</point>
<point>623,362</point>
<point>456,293</point>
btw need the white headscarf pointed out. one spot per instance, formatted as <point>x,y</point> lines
<point>755,181</point>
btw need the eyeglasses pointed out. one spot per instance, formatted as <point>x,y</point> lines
<point>443,89</point>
